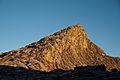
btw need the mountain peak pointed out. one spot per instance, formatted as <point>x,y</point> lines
<point>65,49</point>
<point>76,26</point>
<point>73,28</point>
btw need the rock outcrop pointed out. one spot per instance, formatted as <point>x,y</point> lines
<point>65,50</point>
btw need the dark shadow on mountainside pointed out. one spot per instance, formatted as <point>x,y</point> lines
<point>97,72</point>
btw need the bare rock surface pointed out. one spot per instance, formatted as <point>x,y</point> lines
<point>64,49</point>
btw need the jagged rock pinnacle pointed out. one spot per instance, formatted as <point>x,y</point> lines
<point>64,49</point>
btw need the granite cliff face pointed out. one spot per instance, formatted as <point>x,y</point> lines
<point>65,50</point>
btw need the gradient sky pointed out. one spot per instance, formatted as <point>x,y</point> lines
<point>25,21</point>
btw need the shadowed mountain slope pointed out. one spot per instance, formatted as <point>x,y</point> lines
<point>65,50</point>
<point>97,72</point>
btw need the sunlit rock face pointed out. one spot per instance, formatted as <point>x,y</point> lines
<point>65,49</point>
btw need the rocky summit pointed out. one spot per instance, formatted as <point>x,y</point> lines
<point>64,50</point>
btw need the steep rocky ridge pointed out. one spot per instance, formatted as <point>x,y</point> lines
<point>65,49</point>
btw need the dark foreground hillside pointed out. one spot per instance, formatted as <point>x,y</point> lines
<point>97,72</point>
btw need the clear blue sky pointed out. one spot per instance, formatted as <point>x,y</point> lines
<point>25,21</point>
